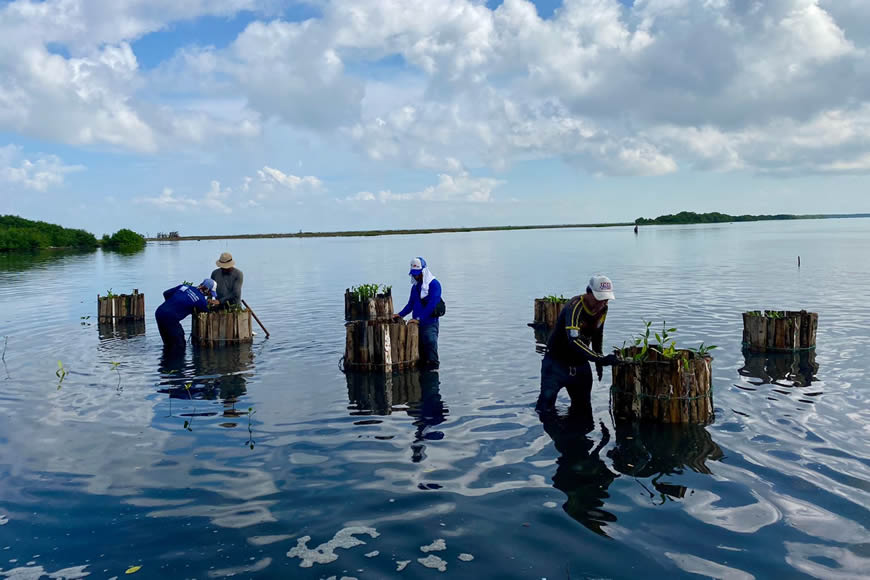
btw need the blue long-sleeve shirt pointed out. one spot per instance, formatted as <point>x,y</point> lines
<point>423,309</point>
<point>180,302</point>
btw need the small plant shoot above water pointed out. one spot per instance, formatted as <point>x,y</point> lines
<point>555,299</point>
<point>665,344</point>
<point>115,368</point>
<point>60,373</point>
<point>109,293</point>
<point>367,291</point>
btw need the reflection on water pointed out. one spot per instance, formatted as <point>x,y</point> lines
<point>789,487</point>
<point>417,393</point>
<point>120,329</point>
<point>793,369</point>
<point>662,451</point>
<point>580,472</point>
<point>381,394</point>
<point>213,373</point>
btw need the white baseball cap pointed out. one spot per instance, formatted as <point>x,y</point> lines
<point>602,287</point>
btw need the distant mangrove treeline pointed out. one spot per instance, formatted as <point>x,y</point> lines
<point>19,234</point>
<point>690,217</point>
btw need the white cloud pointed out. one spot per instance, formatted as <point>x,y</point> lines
<point>214,199</point>
<point>461,187</point>
<point>612,89</point>
<point>41,173</point>
<point>272,178</point>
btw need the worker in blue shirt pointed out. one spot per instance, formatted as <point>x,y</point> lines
<point>426,306</point>
<point>179,303</point>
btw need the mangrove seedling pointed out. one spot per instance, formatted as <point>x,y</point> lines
<point>250,441</point>
<point>555,299</point>
<point>109,293</point>
<point>365,291</point>
<point>188,424</point>
<point>60,373</point>
<point>115,368</point>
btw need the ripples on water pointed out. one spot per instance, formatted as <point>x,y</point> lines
<point>157,462</point>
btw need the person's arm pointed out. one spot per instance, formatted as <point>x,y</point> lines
<point>234,296</point>
<point>432,299</point>
<point>201,303</point>
<point>404,311</point>
<point>170,292</point>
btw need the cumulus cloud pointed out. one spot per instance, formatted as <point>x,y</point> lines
<point>41,173</point>
<point>461,187</point>
<point>614,89</point>
<point>215,199</point>
<point>273,179</point>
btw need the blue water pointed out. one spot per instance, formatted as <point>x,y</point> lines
<point>122,465</point>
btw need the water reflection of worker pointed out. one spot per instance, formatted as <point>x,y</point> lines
<point>576,341</point>
<point>580,472</point>
<point>428,413</point>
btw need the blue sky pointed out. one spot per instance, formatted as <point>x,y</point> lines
<point>237,116</point>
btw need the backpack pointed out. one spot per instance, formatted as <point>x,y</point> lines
<point>441,309</point>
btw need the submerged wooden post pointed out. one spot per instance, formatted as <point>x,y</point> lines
<point>121,307</point>
<point>547,311</point>
<point>219,327</point>
<point>664,390</point>
<point>381,345</point>
<point>779,330</point>
<point>380,307</point>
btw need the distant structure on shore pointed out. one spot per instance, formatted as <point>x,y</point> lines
<point>169,236</point>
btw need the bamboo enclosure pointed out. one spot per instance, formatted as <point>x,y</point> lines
<point>547,311</point>
<point>220,327</point>
<point>675,390</point>
<point>779,331</point>
<point>379,307</point>
<point>381,345</point>
<point>121,307</point>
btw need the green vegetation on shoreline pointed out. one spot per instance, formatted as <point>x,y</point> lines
<point>17,234</point>
<point>123,240</point>
<point>22,235</point>
<point>690,217</point>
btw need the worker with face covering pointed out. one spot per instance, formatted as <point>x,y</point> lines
<point>425,306</point>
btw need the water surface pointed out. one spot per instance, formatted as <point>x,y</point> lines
<point>156,462</point>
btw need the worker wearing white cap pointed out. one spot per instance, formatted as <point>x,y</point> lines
<point>576,341</point>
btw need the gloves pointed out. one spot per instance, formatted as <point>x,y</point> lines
<point>609,360</point>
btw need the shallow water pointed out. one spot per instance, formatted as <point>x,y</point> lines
<point>127,466</point>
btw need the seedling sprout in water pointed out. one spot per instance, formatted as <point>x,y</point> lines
<point>115,368</point>
<point>60,373</point>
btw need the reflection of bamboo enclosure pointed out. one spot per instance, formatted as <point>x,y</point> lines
<point>676,390</point>
<point>381,345</point>
<point>121,329</point>
<point>378,308</point>
<point>378,394</point>
<point>646,449</point>
<point>219,327</point>
<point>547,311</point>
<point>121,307</point>
<point>799,368</point>
<point>779,331</point>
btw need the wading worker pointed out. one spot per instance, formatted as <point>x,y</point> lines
<point>425,304</point>
<point>179,303</point>
<point>575,342</point>
<point>229,281</point>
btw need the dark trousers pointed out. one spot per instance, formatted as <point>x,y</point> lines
<point>429,345</point>
<point>170,331</point>
<point>555,375</point>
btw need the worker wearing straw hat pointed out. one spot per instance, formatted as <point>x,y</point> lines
<point>229,281</point>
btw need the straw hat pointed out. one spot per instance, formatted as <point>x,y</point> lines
<point>226,261</point>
